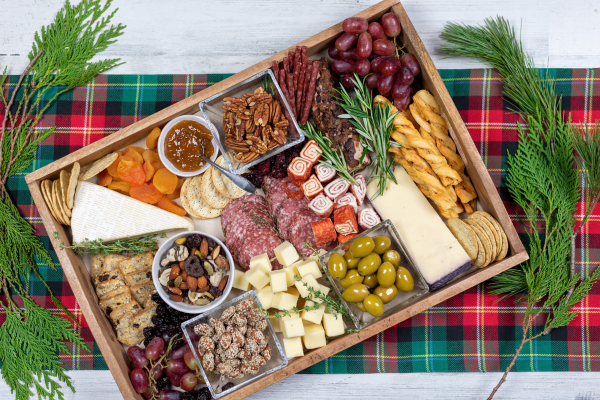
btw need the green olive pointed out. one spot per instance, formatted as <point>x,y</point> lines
<point>355,293</point>
<point>373,305</point>
<point>337,266</point>
<point>361,306</point>
<point>386,294</point>
<point>382,244</point>
<point>404,280</point>
<point>368,265</point>
<point>361,247</point>
<point>370,281</point>
<point>386,274</point>
<point>351,278</point>
<point>351,261</point>
<point>393,257</point>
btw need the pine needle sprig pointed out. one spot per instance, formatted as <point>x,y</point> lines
<point>132,246</point>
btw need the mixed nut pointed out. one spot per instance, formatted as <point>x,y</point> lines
<point>194,270</point>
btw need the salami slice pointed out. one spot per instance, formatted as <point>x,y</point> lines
<point>255,231</point>
<point>230,213</point>
<point>276,199</point>
<point>287,213</point>
<point>244,226</point>
<point>301,232</point>
<point>255,245</point>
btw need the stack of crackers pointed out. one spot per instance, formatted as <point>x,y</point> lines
<point>206,195</point>
<point>481,236</point>
<point>124,287</point>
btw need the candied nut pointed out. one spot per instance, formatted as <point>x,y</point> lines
<point>257,360</point>
<point>236,374</point>
<point>252,346</point>
<point>261,325</point>
<point>202,351</point>
<point>204,329</point>
<point>263,344</point>
<point>266,353</point>
<point>247,368</point>
<point>225,340</point>
<point>224,368</point>
<point>237,337</point>
<point>218,360</point>
<point>175,271</point>
<point>231,328</point>
<point>244,354</point>
<point>228,313</point>
<point>239,319</point>
<point>206,342</point>
<point>255,315</point>
<point>222,263</point>
<point>244,306</point>
<point>208,361</point>
<point>232,351</point>
<point>243,329</point>
<point>234,362</point>
<point>255,334</point>
<point>219,328</point>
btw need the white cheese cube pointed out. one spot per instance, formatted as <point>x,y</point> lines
<point>286,254</point>
<point>310,281</point>
<point>293,291</point>
<point>314,336</point>
<point>257,278</point>
<point>291,272</point>
<point>306,323</point>
<point>240,281</point>
<point>278,281</point>
<point>261,261</point>
<point>292,327</point>
<point>276,302</point>
<point>288,301</point>
<point>317,255</point>
<point>293,347</point>
<point>313,316</point>
<point>276,324</point>
<point>309,267</point>
<point>265,296</point>
<point>333,326</point>
<point>325,290</point>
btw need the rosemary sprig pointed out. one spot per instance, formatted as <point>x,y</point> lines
<point>331,158</point>
<point>138,245</point>
<point>374,127</point>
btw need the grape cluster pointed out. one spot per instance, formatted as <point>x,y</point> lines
<point>275,167</point>
<point>365,49</point>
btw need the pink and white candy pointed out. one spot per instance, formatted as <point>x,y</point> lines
<point>359,191</point>
<point>324,174</point>
<point>311,152</point>
<point>337,188</point>
<point>347,199</point>
<point>322,206</point>
<point>312,187</point>
<point>368,218</point>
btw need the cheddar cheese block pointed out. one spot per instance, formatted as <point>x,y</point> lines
<point>434,250</point>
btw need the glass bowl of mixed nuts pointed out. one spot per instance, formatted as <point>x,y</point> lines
<point>192,272</point>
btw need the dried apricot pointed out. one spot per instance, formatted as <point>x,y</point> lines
<point>136,148</point>
<point>104,178</point>
<point>130,152</point>
<point>177,192</point>
<point>152,139</point>
<point>120,187</point>
<point>151,156</point>
<point>165,181</point>
<point>146,193</point>
<point>158,165</point>
<point>149,170</point>
<point>131,172</point>
<point>112,168</point>
<point>171,206</point>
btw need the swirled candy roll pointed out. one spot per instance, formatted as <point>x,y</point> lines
<point>347,199</point>
<point>368,218</point>
<point>336,188</point>
<point>322,206</point>
<point>324,174</point>
<point>311,152</point>
<point>344,220</point>
<point>312,187</point>
<point>299,170</point>
<point>359,191</point>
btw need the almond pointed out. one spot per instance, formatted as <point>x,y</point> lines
<point>175,290</point>
<point>184,275</point>
<point>192,283</point>
<point>203,289</point>
<point>204,248</point>
<point>177,298</point>
<point>223,282</point>
<point>216,252</point>
<point>183,286</point>
<point>201,282</point>
<point>175,270</point>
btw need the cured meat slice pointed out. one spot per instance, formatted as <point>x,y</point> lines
<point>336,188</point>
<point>276,199</point>
<point>269,183</point>
<point>347,199</point>
<point>324,231</point>
<point>244,226</point>
<point>324,174</point>
<point>359,191</point>
<point>287,213</point>
<point>230,213</point>
<point>368,218</point>
<point>299,170</point>
<point>344,220</point>
<point>311,152</point>
<point>255,231</point>
<point>322,206</point>
<point>255,245</point>
<point>293,191</point>
<point>301,232</point>
<point>312,187</point>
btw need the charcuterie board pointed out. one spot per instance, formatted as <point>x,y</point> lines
<point>432,287</point>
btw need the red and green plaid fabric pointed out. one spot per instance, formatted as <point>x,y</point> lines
<point>473,331</point>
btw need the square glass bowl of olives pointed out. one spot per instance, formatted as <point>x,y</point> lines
<point>373,274</point>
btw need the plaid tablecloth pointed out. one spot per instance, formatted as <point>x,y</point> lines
<point>473,331</point>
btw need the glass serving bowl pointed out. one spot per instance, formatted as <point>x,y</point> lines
<point>363,319</point>
<point>215,384</point>
<point>212,111</point>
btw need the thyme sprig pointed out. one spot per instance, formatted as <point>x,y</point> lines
<point>334,305</point>
<point>138,245</point>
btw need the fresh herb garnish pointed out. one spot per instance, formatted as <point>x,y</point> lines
<point>138,245</point>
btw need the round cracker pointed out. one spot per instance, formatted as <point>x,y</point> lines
<point>99,165</point>
<point>183,196</point>
<point>464,235</point>
<point>486,229</point>
<point>496,224</point>
<point>223,184</point>
<point>210,194</point>
<point>59,206</point>
<point>64,187</point>
<point>48,197</point>
<point>75,171</point>
<point>485,241</point>
<point>492,231</point>
<point>194,195</point>
<point>480,260</point>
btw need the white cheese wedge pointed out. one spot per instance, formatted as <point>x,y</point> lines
<point>292,327</point>
<point>265,296</point>
<point>261,261</point>
<point>293,347</point>
<point>257,278</point>
<point>101,213</point>
<point>314,336</point>
<point>435,251</point>
<point>240,281</point>
<point>286,254</point>
<point>310,282</point>
<point>314,316</point>
<point>278,281</point>
<point>309,267</point>
<point>333,324</point>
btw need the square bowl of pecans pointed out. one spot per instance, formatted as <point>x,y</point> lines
<point>234,344</point>
<point>252,119</point>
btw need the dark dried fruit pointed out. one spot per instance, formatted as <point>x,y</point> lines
<point>193,267</point>
<point>254,178</point>
<point>228,386</point>
<point>215,292</point>
<point>193,241</point>
<point>148,331</point>
<point>157,299</point>
<point>279,173</point>
<point>263,168</point>
<point>171,283</point>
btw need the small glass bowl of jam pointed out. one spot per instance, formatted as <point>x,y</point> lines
<point>183,142</point>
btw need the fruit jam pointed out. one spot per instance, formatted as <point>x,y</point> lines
<point>186,143</point>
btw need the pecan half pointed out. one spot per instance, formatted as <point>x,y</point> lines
<point>282,123</point>
<point>272,145</point>
<point>275,109</point>
<point>261,115</point>
<point>267,133</point>
<point>246,157</point>
<point>240,129</point>
<point>279,136</point>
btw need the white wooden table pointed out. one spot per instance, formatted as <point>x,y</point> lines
<point>207,36</point>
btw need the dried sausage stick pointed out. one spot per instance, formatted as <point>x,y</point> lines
<point>301,83</point>
<point>310,92</point>
<point>307,74</point>
<point>286,65</point>
<point>297,59</point>
<point>290,88</point>
<point>283,86</point>
<point>276,69</point>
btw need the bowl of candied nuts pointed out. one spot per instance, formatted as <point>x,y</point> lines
<point>192,272</point>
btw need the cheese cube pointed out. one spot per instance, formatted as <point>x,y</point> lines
<point>240,281</point>
<point>293,291</point>
<point>334,324</point>
<point>325,290</point>
<point>261,261</point>
<point>293,347</point>
<point>309,267</point>
<point>265,296</point>
<point>278,281</point>
<point>284,301</point>
<point>291,272</point>
<point>276,324</point>
<point>314,336</point>
<point>310,281</point>
<point>276,300</point>
<point>292,327</point>
<point>306,323</point>
<point>286,254</point>
<point>313,316</point>
<point>257,278</point>
<point>315,256</point>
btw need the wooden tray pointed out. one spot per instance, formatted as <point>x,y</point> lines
<point>77,273</point>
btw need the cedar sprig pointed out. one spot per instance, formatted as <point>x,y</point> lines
<point>132,246</point>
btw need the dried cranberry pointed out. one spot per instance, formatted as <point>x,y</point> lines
<point>264,168</point>
<point>279,173</point>
<point>280,161</point>
<point>255,179</point>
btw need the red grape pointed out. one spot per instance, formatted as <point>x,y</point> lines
<point>345,41</point>
<point>174,378</point>
<point>156,372</point>
<point>349,55</point>
<point>169,395</point>
<point>354,25</point>
<point>390,65</point>
<point>189,381</point>
<point>190,360</point>
<point>176,354</point>
<point>384,85</point>
<point>410,61</point>
<point>372,80</point>
<point>400,91</point>
<point>342,67</point>
<point>376,30</point>
<point>402,104</point>
<point>362,67</point>
<point>155,348</point>
<point>177,367</point>
<point>391,24</point>
<point>346,80</point>
<point>364,47</point>
<point>383,47</point>
<point>139,380</point>
<point>137,357</point>
<point>405,77</point>
<point>152,391</point>
<point>376,64</point>
<point>334,53</point>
